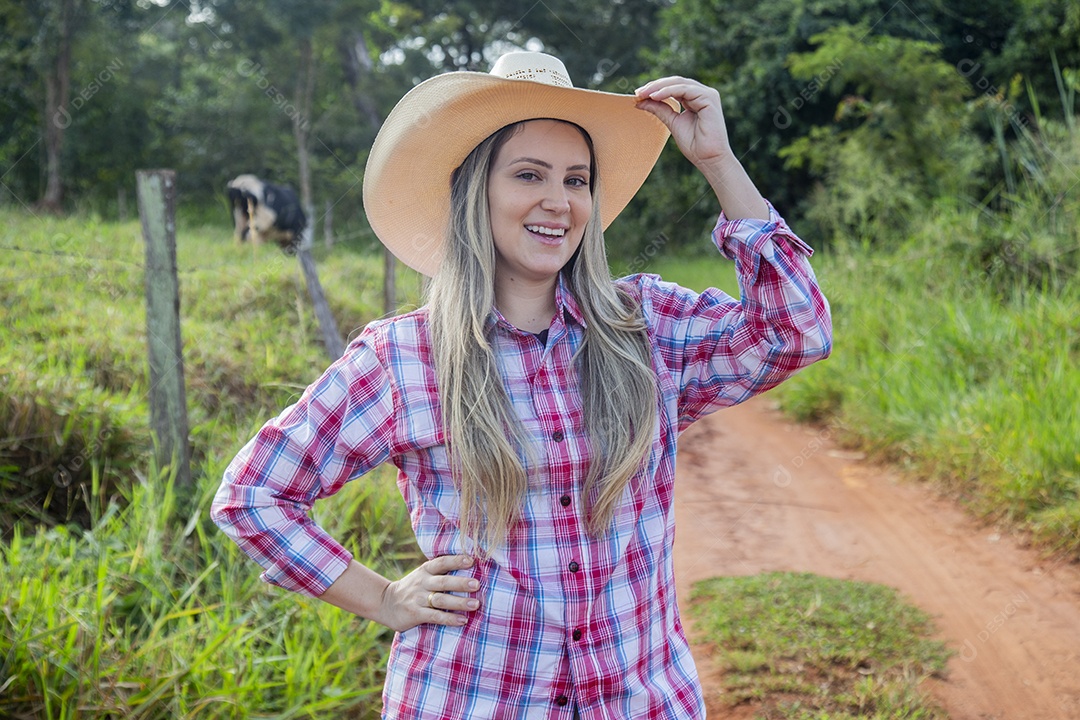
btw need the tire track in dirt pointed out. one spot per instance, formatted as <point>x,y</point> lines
<point>757,493</point>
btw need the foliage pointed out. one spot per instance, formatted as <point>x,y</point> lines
<point>1040,30</point>
<point>804,646</point>
<point>902,136</point>
<point>120,597</point>
<point>211,91</point>
<point>742,48</point>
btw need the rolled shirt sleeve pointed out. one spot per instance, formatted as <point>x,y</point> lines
<point>721,350</point>
<point>339,429</point>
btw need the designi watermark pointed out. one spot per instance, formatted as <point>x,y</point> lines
<point>62,117</point>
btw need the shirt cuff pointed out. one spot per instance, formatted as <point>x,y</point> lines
<point>313,569</point>
<point>734,237</point>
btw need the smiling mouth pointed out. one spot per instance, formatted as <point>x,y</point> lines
<point>550,232</point>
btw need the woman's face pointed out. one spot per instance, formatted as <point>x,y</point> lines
<point>539,200</point>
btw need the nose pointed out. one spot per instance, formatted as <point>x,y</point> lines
<point>555,199</point>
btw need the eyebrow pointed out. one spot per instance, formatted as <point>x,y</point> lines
<point>544,164</point>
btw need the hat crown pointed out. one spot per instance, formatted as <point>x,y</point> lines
<point>534,66</point>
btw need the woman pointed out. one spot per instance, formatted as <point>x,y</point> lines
<point>533,405</point>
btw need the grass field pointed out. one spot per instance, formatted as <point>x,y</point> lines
<point>139,608</point>
<point>150,612</point>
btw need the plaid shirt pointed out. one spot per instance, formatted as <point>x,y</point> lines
<point>567,621</point>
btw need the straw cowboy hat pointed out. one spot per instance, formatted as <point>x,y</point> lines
<point>431,131</point>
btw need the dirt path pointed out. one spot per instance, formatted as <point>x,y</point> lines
<point>756,493</point>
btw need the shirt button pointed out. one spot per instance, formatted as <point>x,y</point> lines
<point>574,567</point>
<point>576,635</point>
<point>562,700</point>
<point>557,436</point>
<point>565,501</point>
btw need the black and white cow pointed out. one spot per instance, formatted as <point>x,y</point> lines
<point>263,211</point>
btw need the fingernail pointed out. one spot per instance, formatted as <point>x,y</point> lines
<point>473,604</point>
<point>461,621</point>
<point>474,585</point>
<point>466,562</point>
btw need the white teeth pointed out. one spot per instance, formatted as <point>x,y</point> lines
<point>554,232</point>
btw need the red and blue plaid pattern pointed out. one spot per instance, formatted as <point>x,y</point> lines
<point>567,621</point>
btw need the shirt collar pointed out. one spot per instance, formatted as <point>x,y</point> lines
<point>565,305</point>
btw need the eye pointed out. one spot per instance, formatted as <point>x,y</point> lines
<point>528,175</point>
<point>577,182</point>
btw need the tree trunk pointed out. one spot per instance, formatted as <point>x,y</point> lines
<point>355,61</point>
<point>389,282</point>
<point>57,117</point>
<point>305,90</point>
<point>328,225</point>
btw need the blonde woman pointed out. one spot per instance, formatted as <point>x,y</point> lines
<point>533,405</point>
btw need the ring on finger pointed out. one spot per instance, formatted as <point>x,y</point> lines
<point>430,597</point>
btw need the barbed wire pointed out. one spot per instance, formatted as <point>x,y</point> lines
<point>59,253</point>
<point>91,259</point>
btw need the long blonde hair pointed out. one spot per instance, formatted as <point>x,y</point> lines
<point>485,439</point>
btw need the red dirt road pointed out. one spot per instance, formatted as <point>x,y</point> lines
<point>756,493</point>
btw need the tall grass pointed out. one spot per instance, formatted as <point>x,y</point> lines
<point>149,614</point>
<point>118,597</point>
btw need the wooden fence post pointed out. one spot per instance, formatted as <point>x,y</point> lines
<point>335,346</point>
<point>156,191</point>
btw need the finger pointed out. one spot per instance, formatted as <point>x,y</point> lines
<point>452,583</point>
<point>445,601</point>
<point>661,110</point>
<point>439,617</point>
<point>447,563</point>
<point>654,85</point>
<point>692,96</point>
<point>673,87</point>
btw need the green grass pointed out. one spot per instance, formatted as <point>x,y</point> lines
<point>696,271</point>
<point>804,646</point>
<point>118,596</point>
<point>151,614</point>
<point>73,347</point>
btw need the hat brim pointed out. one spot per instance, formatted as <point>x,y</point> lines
<point>437,124</point>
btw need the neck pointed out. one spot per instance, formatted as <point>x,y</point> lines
<point>527,305</point>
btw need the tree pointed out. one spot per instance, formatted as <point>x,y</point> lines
<point>902,136</point>
<point>741,48</point>
<point>58,30</point>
